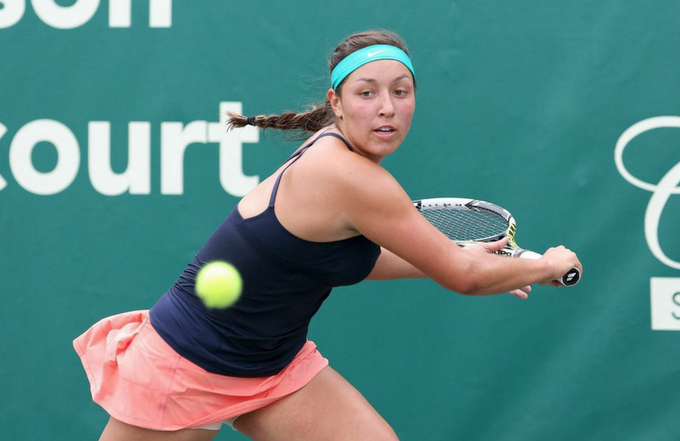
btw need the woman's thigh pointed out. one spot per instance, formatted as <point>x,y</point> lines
<point>118,431</point>
<point>328,409</point>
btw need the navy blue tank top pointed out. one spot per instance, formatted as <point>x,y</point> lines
<point>285,281</point>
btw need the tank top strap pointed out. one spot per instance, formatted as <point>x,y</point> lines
<point>297,155</point>
<point>335,135</point>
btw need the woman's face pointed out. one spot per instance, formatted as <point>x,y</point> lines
<point>375,110</point>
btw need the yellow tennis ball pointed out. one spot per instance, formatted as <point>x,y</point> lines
<point>218,285</point>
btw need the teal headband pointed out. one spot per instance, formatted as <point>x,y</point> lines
<point>368,54</point>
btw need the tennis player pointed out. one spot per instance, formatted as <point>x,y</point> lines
<point>330,216</point>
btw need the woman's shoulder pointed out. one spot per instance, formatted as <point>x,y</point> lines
<point>330,159</point>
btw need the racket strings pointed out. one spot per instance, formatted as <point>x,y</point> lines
<point>464,224</point>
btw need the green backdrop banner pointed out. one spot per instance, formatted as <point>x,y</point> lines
<point>115,167</point>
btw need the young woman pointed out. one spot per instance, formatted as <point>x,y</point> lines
<point>330,216</point>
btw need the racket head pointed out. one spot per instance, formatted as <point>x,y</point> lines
<point>468,220</point>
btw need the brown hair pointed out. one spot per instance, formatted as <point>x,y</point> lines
<point>319,115</point>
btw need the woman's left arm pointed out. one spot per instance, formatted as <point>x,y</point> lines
<point>390,266</point>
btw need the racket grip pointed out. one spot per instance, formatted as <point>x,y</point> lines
<point>572,277</point>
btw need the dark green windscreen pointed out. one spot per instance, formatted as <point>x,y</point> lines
<point>114,168</point>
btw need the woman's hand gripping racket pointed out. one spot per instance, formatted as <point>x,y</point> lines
<point>466,221</point>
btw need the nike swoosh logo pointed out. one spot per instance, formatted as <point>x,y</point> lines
<point>372,54</point>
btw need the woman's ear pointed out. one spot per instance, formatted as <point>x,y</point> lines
<point>336,104</point>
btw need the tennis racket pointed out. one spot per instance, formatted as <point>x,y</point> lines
<point>467,221</point>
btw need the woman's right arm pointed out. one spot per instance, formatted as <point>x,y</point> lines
<point>377,206</point>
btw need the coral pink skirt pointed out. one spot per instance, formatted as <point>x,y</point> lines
<point>140,380</point>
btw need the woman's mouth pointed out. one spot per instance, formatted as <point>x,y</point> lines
<point>385,130</point>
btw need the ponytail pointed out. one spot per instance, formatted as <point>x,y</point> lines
<point>307,122</point>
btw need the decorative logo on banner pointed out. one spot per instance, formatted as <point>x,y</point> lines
<point>82,11</point>
<point>665,291</point>
<point>175,137</point>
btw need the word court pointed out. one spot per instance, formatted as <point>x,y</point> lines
<point>175,138</point>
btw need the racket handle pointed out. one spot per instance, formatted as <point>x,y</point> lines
<point>570,279</point>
